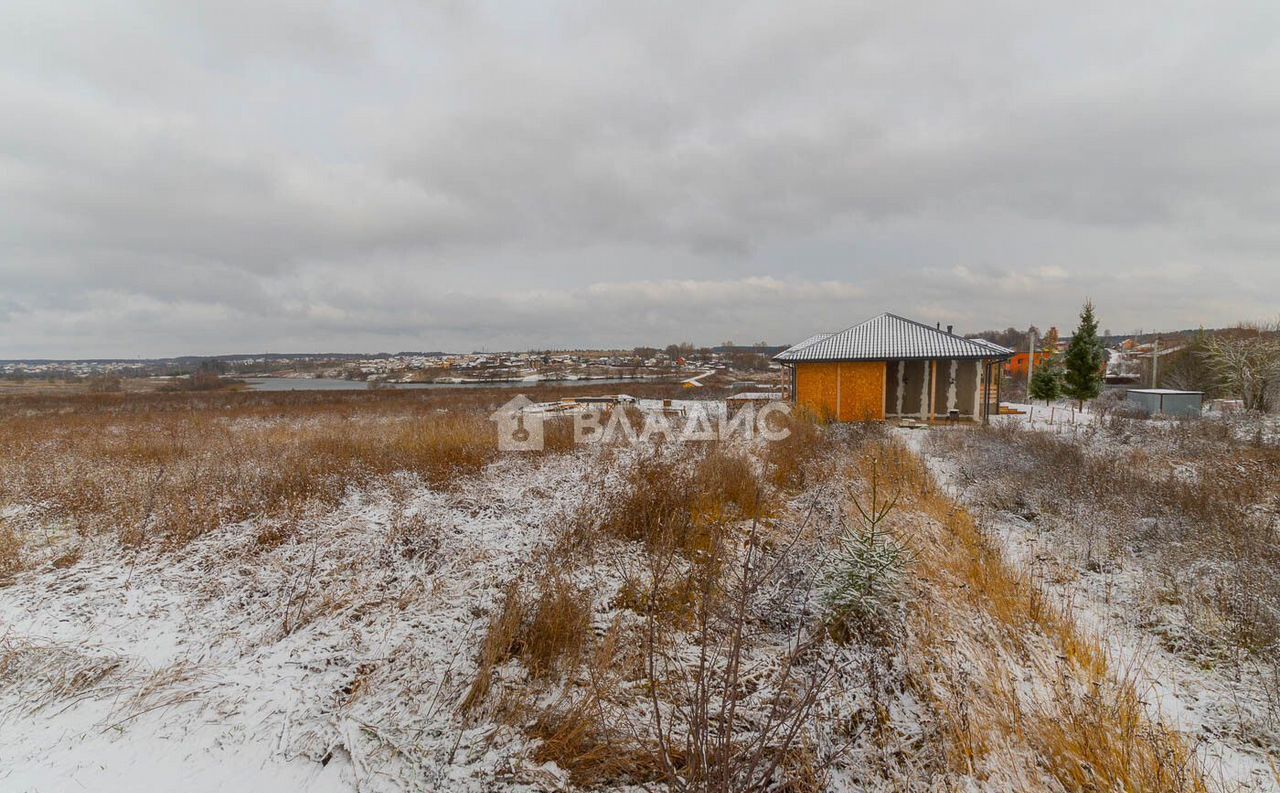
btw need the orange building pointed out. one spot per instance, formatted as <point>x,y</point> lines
<point>1017,365</point>
<point>891,367</point>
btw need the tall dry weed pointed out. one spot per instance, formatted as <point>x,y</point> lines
<point>10,552</point>
<point>1035,683</point>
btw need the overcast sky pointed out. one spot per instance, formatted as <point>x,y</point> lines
<point>186,176</point>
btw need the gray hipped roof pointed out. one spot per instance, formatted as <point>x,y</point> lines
<point>890,337</point>
<point>814,338</point>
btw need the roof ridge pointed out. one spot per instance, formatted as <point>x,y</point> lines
<point>858,325</point>
<point>921,324</point>
<point>887,334</point>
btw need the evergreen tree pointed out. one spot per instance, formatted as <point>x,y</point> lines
<point>1085,358</point>
<point>1046,381</point>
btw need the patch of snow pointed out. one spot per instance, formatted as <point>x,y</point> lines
<point>1202,704</point>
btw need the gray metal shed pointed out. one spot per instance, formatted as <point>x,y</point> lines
<point>1167,401</point>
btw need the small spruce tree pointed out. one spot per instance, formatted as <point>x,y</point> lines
<point>1085,358</point>
<point>1046,381</point>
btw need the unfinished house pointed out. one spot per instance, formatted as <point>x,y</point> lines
<point>890,367</point>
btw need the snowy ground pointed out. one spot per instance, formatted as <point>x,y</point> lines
<point>1213,708</point>
<point>297,667</point>
<point>331,654</point>
<point>1062,418</point>
<point>332,659</point>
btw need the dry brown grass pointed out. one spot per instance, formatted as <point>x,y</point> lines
<point>1099,738</point>
<point>499,645</point>
<point>727,488</point>
<point>1188,505</point>
<point>167,468</point>
<point>672,599</point>
<point>678,501</point>
<point>1040,686</point>
<point>689,512</point>
<point>298,403</point>
<point>980,635</point>
<point>558,628</point>
<point>557,436</point>
<point>790,460</point>
<point>1012,681</point>
<point>583,734</point>
<point>68,558</point>
<point>170,475</point>
<point>575,736</point>
<point>691,705</point>
<point>547,633</point>
<point>10,552</point>
<point>653,502</point>
<point>43,674</point>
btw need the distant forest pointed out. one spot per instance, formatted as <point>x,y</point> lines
<point>1016,340</point>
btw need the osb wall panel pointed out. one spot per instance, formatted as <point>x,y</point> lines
<point>816,388</point>
<point>843,391</point>
<point>862,387</point>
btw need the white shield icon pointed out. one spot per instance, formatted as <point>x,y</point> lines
<point>519,429</point>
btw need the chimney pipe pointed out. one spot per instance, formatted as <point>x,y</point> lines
<point>938,326</point>
<point>949,327</point>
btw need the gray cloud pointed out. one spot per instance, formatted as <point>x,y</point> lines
<point>185,177</point>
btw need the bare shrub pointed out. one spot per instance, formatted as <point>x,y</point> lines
<point>716,712</point>
<point>1247,360</point>
<point>1114,402</point>
<point>703,737</point>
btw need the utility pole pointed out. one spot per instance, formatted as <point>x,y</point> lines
<point>1155,362</point>
<point>1031,360</point>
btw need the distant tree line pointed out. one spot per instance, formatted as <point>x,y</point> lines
<point>1241,362</point>
<point>1014,339</point>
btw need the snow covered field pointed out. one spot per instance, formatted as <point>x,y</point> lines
<point>1220,695</point>
<point>330,651</point>
<point>301,667</point>
<point>407,609</point>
